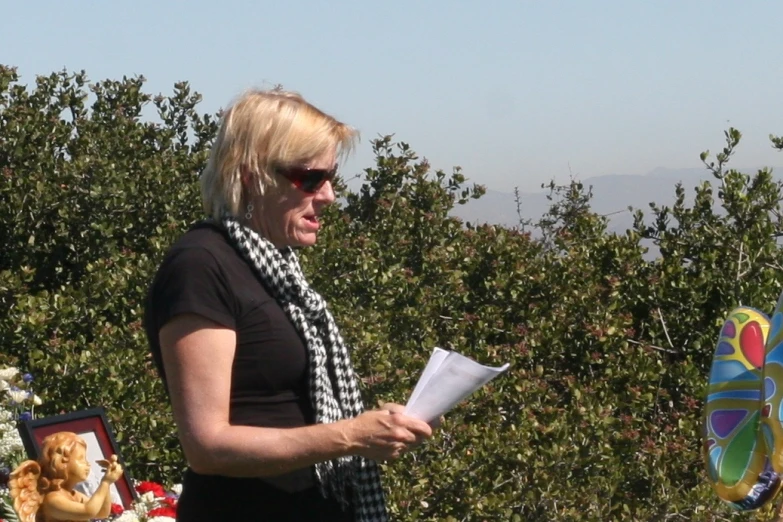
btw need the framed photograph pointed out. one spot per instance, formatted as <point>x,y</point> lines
<point>93,427</point>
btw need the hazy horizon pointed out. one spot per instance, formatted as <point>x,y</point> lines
<point>516,93</point>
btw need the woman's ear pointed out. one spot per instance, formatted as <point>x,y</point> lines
<point>246,176</point>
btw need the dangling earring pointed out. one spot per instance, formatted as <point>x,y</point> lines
<point>249,213</point>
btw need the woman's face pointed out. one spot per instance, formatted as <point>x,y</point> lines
<point>289,217</point>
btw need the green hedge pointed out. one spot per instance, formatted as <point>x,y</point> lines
<point>598,418</point>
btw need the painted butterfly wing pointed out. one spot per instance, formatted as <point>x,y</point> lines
<point>735,446</point>
<point>772,416</point>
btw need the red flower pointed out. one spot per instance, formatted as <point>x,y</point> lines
<point>116,509</point>
<point>145,486</point>
<point>162,512</point>
<point>169,502</point>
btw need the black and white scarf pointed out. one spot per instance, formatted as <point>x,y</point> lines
<point>334,391</point>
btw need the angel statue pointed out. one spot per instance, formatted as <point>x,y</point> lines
<point>43,490</point>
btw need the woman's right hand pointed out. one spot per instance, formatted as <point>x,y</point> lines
<point>383,434</point>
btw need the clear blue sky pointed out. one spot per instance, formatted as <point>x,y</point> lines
<point>513,91</point>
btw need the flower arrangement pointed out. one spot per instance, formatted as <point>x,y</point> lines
<point>17,402</point>
<point>154,504</point>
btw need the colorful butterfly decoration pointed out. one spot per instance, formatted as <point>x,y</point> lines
<point>742,430</point>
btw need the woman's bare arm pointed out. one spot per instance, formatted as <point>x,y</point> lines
<point>198,355</point>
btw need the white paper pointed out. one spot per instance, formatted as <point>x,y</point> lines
<point>447,379</point>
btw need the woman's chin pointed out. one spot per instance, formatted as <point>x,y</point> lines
<point>305,240</point>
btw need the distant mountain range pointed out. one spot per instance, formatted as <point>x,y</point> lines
<point>612,195</point>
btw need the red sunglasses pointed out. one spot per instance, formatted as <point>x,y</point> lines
<point>307,180</point>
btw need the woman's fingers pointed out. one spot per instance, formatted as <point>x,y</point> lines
<point>418,427</point>
<point>415,426</point>
<point>393,407</point>
<point>387,433</point>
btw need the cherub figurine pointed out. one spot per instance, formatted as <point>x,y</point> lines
<point>43,491</point>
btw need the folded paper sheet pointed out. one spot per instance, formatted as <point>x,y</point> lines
<point>447,379</point>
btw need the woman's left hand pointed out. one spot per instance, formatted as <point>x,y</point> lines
<point>393,407</point>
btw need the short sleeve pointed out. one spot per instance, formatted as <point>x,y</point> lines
<point>190,281</point>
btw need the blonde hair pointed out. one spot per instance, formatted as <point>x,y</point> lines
<point>262,130</point>
<point>31,480</point>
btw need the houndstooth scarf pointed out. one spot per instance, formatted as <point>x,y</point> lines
<point>334,391</point>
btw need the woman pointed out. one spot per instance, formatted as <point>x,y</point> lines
<point>262,389</point>
<point>43,491</point>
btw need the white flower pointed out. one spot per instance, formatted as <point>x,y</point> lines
<point>160,519</point>
<point>4,385</point>
<point>10,442</point>
<point>176,489</point>
<point>18,395</point>
<point>148,499</point>
<point>127,516</point>
<point>143,504</point>
<point>37,400</point>
<point>7,374</point>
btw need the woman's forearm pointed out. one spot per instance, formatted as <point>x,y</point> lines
<point>246,451</point>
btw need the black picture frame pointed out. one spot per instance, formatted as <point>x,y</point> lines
<point>93,426</point>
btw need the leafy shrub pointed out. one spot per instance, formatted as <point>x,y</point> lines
<point>598,418</point>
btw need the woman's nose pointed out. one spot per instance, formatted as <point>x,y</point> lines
<point>326,193</point>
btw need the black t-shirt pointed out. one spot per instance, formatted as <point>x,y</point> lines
<point>204,274</point>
